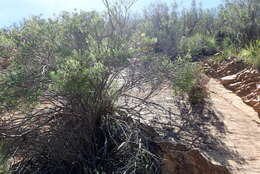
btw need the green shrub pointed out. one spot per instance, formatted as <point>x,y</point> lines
<point>227,48</point>
<point>251,54</point>
<point>188,80</point>
<point>198,92</point>
<point>64,88</point>
<point>3,161</point>
<point>6,45</point>
<point>198,45</point>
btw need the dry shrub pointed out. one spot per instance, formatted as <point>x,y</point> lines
<point>198,92</point>
<point>83,132</point>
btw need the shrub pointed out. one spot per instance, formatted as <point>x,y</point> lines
<point>62,99</point>
<point>198,92</point>
<point>80,129</point>
<point>6,45</point>
<point>227,48</point>
<point>6,50</point>
<point>198,45</point>
<point>188,80</point>
<point>3,161</point>
<point>251,54</point>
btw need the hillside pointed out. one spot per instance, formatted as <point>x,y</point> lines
<point>168,90</point>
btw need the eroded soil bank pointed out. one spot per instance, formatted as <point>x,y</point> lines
<point>242,79</point>
<point>232,139</point>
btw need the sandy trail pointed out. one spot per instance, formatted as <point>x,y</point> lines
<point>242,125</point>
<point>234,128</point>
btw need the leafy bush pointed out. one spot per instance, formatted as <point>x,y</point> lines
<point>81,130</point>
<point>251,54</point>
<point>6,50</point>
<point>198,93</point>
<point>3,161</point>
<point>198,45</point>
<point>239,23</point>
<point>6,44</point>
<point>228,49</point>
<point>188,80</point>
<point>65,87</point>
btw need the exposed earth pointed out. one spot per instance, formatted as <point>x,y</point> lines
<point>229,124</point>
<point>242,125</point>
<point>232,139</point>
<point>225,131</point>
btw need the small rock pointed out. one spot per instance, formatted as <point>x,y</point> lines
<point>228,79</point>
<point>178,159</point>
<point>234,86</point>
<point>257,87</point>
<point>253,102</point>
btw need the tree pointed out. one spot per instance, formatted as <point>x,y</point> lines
<point>240,21</point>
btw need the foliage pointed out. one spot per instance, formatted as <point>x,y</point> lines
<point>239,20</point>
<point>227,50</point>
<point>198,45</point>
<point>5,44</point>
<point>65,82</point>
<point>69,80</point>
<point>189,80</point>
<point>161,21</point>
<point>3,161</point>
<point>6,49</point>
<point>251,54</point>
<point>235,20</point>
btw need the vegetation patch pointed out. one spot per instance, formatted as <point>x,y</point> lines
<point>251,54</point>
<point>67,83</point>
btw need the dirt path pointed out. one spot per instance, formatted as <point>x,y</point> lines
<point>242,125</point>
<point>232,134</point>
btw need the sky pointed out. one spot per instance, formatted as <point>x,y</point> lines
<point>14,11</point>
